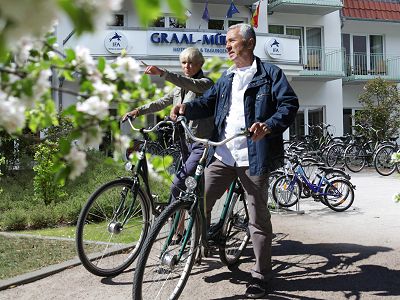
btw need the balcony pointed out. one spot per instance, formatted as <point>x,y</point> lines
<point>361,67</point>
<point>323,63</point>
<point>309,7</point>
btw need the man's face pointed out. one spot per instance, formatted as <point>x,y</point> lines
<point>236,46</point>
<point>190,68</point>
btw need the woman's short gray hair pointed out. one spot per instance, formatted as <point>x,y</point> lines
<point>246,31</point>
<point>192,54</point>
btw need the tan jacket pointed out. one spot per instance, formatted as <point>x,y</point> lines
<point>186,90</point>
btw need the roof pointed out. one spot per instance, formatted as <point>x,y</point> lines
<point>371,10</point>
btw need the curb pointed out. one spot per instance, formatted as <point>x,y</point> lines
<point>38,274</point>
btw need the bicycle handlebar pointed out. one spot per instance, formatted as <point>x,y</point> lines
<point>143,130</point>
<point>183,121</point>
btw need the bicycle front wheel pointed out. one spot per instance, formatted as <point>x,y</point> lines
<point>164,264</point>
<point>383,160</point>
<point>112,227</point>
<point>339,194</point>
<point>335,155</point>
<point>286,191</point>
<point>235,234</point>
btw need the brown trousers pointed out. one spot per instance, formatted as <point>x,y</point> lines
<point>218,177</point>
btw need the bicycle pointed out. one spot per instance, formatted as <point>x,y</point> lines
<point>164,266</point>
<point>331,186</point>
<point>115,221</point>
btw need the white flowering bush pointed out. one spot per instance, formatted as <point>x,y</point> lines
<point>30,57</point>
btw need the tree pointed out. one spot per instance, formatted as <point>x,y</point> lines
<point>381,108</point>
<point>29,56</point>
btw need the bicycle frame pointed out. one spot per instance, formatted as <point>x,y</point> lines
<point>299,175</point>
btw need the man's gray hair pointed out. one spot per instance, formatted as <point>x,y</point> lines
<point>246,31</point>
<point>192,54</point>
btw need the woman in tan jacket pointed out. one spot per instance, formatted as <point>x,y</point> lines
<point>188,86</point>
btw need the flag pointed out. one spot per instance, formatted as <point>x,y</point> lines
<point>231,10</point>
<point>254,18</point>
<point>206,16</point>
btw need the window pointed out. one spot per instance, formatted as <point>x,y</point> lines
<point>176,23</point>
<point>222,24</point>
<point>216,24</point>
<point>168,22</point>
<point>117,20</point>
<point>276,29</point>
<point>310,42</point>
<point>347,120</point>
<point>364,54</point>
<point>297,128</point>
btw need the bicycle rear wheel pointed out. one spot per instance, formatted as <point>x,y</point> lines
<point>235,234</point>
<point>160,272</point>
<point>339,195</point>
<point>355,158</point>
<point>383,160</point>
<point>286,191</point>
<point>111,228</point>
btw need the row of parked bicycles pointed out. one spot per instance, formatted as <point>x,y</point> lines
<point>123,221</point>
<point>367,148</point>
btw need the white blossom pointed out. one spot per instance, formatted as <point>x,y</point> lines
<point>396,157</point>
<point>109,72</point>
<point>167,89</point>
<point>91,137</point>
<point>22,51</point>
<point>77,161</point>
<point>83,59</point>
<point>94,106</point>
<point>28,18</point>
<point>126,96</point>
<point>129,68</point>
<point>104,91</point>
<point>42,84</point>
<point>121,143</point>
<point>12,113</point>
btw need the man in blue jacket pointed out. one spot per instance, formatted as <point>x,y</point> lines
<point>255,95</point>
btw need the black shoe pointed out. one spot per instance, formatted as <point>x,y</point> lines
<point>256,289</point>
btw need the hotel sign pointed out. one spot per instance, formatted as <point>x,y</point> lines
<point>210,44</point>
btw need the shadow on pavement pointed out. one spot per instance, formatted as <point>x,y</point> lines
<point>319,268</point>
<point>315,268</point>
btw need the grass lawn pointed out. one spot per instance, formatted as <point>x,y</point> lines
<point>15,251</point>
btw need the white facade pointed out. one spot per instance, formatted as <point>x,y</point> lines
<point>321,72</point>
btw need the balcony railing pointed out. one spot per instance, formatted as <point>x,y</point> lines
<point>317,61</point>
<point>313,7</point>
<point>360,66</point>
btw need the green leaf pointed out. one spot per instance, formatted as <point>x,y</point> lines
<point>148,10</point>
<point>65,146</point>
<point>62,174</point>
<point>80,16</point>
<point>178,8</point>
<point>101,64</point>
<point>70,54</point>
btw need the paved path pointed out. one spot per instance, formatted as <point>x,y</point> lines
<point>319,255</point>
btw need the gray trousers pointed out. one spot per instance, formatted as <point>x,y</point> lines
<point>218,177</point>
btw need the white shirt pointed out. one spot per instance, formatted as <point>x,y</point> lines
<point>235,151</point>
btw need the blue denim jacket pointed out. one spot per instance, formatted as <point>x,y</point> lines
<point>269,98</point>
